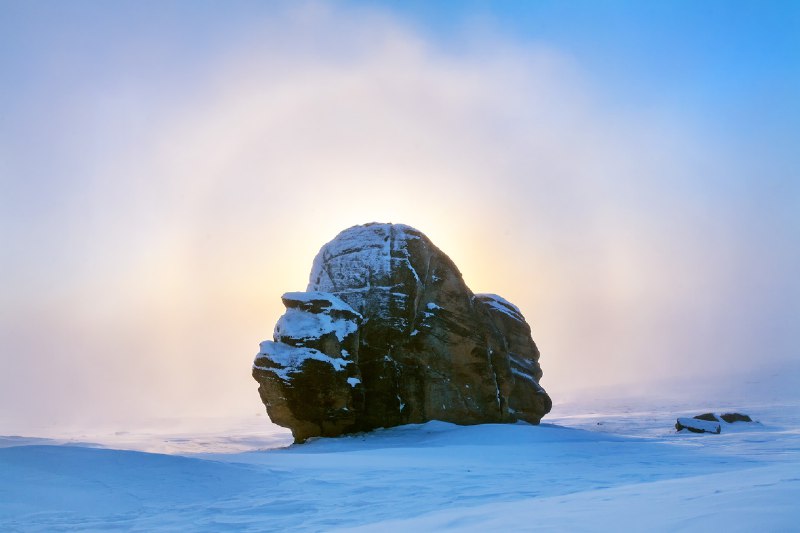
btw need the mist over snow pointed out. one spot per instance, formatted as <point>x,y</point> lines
<point>165,176</point>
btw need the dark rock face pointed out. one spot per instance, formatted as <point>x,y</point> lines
<point>389,334</point>
<point>730,418</point>
<point>711,417</point>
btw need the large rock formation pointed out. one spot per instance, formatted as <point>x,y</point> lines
<point>388,333</point>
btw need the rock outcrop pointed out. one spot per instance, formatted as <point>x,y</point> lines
<point>710,422</point>
<point>697,425</point>
<point>387,334</point>
<point>730,418</point>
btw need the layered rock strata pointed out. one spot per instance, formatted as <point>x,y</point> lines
<point>387,334</point>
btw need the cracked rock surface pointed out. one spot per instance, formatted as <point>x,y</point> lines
<point>388,333</point>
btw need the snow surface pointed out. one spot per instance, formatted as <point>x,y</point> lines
<point>593,467</point>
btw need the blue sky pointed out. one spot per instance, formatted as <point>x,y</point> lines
<point>710,56</point>
<point>733,61</point>
<point>625,172</point>
<point>732,66</point>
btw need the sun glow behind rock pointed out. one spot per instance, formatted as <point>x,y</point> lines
<point>182,206</point>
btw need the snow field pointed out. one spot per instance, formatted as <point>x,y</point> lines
<point>616,469</point>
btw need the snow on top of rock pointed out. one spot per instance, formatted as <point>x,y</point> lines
<point>300,324</point>
<point>336,303</point>
<point>699,425</point>
<point>291,358</point>
<point>501,304</point>
<point>369,248</point>
<point>356,236</point>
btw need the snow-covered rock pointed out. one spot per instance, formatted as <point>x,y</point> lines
<point>419,344</point>
<point>710,422</point>
<point>696,425</point>
<point>308,374</point>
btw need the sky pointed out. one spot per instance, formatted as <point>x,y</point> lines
<point>625,172</point>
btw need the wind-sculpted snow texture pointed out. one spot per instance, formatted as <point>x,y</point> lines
<point>389,334</point>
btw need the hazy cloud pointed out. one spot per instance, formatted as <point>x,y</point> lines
<point>151,236</point>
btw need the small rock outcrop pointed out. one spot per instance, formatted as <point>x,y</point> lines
<point>709,422</point>
<point>730,418</point>
<point>697,425</point>
<point>387,334</point>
